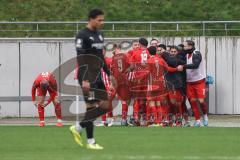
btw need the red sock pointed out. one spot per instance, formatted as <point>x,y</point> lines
<point>110,114</point>
<point>104,117</point>
<point>194,105</point>
<point>135,110</point>
<point>185,111</point>
<point>41,112</point>
<point>148,113</point>
<point>165,111</point>
<point>58,111</point>
<point>155,114</point>
<point>204,107</point>
<point>124,110</point>
<point>160,113</point>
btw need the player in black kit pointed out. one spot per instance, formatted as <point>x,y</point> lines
<point>89,46</point>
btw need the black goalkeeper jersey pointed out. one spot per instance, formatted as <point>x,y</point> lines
<point>89,46</point>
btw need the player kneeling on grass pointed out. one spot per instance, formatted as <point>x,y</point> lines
<point>45,82</point>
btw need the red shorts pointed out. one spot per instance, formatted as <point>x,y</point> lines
<point>41,92</point>
<point>123,92</point>
<point>196,89</point>
<point>176,94</point>
<point>139,91</point>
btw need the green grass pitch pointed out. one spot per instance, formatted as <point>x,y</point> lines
<point>53,143</point>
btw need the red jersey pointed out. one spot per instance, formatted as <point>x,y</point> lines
<point>108,60</point>
<point>130,52</point>
<point>52,89</point>
<point>156,68</point>
<point>118,67</point>
<point>140,56</point>
<point>139,59</point>
<point>105,77</point>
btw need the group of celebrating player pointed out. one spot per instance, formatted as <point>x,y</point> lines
<point>159,79</point>
<point>156,77</point>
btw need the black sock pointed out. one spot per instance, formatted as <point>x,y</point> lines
<point>89,129</point>
<point>94,113</point>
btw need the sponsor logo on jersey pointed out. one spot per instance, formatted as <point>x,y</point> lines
<point>97,45</point>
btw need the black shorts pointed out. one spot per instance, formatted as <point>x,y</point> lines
<point>97,93</point>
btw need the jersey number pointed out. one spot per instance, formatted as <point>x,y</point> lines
<point>45,74</point>
<point>120,65</point>
<point>144,57</point>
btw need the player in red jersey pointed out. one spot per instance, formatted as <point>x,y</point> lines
<point>119,65</point>
<point>135,46</point>
<point>156,84</point>
<point>46,82</point>
<point>139,81</point>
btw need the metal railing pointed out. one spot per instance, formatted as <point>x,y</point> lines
<point>151,28</point>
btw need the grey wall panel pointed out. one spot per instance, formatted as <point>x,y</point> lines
<point>29,110</point>
<point>9,69</point>
<point>236,75</point>
<point>224,76</point>
<point>221,61</point>
<point>36,58</point>
<point>9,109</point>
<point>211,67</point>
<point>68,52</point>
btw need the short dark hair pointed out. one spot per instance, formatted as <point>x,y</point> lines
<point>180,47</point>
<point>152,50</point>
<point>94,13</point>
<point>44,84</point>
<point>143,41</point>
<point>190,43</point>
<point>162,46</point>
<point>116,45</point>
<point>174,47</point>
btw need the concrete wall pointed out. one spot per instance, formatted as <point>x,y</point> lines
<point>22,59</point>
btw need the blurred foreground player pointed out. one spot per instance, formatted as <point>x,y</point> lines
<point>45,82</point>
<point>89,46</point>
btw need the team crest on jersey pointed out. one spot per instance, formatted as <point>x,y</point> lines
<point>79,43</point>
<point>100,37</point>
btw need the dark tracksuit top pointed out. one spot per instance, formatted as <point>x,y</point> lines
<point>174,79</point>
<point>89,46</point>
